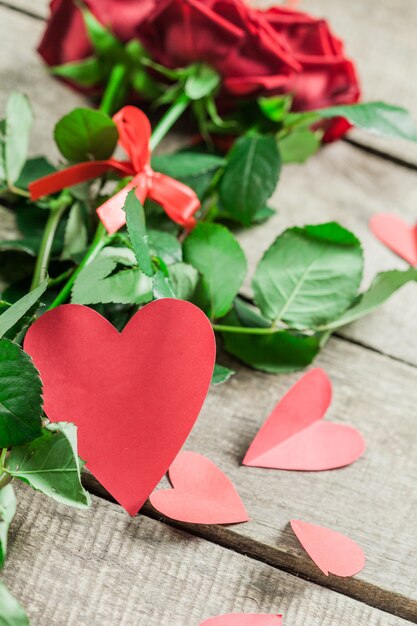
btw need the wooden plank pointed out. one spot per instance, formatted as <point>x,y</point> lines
<point>371,501</point>
<point>103,567</point>
<point>379,36</point>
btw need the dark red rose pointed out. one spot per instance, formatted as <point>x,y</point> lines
<point>327,76</point>
<point>65,38</point>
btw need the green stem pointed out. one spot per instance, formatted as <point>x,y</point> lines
<point>101,238</point>
<point>246,330</point>
<point>115,90</point>
<point>168,120</point>
<point>42,261</point>
<point>18,192</point>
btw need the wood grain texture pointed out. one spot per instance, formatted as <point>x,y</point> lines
<point>341,183</point>
<point>102,568</point>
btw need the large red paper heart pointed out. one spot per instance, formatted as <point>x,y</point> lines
<point>294,437</point>
<point>134,395</point>
<point>397,235</point>
<point>331,551</point>
<point>244,619</point>
<point>201,493</point>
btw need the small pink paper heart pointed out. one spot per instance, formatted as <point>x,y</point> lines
<point>331,551</point>
<point>201,493</point>
<point>294,437</point>
<point>401,238</point>
<point>244,619</point>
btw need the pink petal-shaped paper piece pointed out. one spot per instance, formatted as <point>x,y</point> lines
<point>392,231</point>
<point>134,395</point>
<point>331,551</point>
<point>244,619</point>
<point>294,437</point>
<point>201,493</point>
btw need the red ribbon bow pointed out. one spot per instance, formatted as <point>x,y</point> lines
<point>178,201</point>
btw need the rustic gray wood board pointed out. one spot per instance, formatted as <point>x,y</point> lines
<point>341,183</point>
<point>77,568</point>
<point>379,36</point>
<point>371,501</point>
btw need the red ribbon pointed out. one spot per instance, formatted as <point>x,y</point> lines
<point>178,201</point>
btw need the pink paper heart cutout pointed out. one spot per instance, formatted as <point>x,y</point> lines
<point>201,493</point>
<point>134,395</point>
<point>294,437</point>
<point>331,551</point>
<point>392,231</point>
<point>244,619</point>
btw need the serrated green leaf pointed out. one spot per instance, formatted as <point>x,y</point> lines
<point>382,288</point>
<point>194,169</point>
<point>221,374</point>
<point>297,147</point>
<point>20,308</point>
<point>19,121</point>
<point>136,227</point>
<point>378,118</point>
<point>100,282</point>
<point>184,279</point>
<point>248,315</point>
<point>7,511</point>
<point>278,352</point>
<point>165,246</point>
<point>85,134</point>
<point>202,81</point>
<point>309,275</point>
<point>50,464</point>
<point>11,612</point>
<point>87,72</point>
<point>216,254</point>
<point>250,176</point>
<point>20,396</point>
<point>162,287</point>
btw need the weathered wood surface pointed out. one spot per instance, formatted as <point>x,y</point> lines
<point>341,183</point>
<point>100,567</point>
<point>379,36</point>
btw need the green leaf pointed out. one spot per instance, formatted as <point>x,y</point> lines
<point>76,235</point>
<point>11,613</point>
<point>278,352</point>
<point>32,170</point>
<point>202,81</point>
<point>162,287</point>
<point>100,282</point>
<point>194,169</point>
<point>7,511</point>
<point>378,118</point>
<point>309,275</point>
<point>136,227</point>
<point>263,214</point>
<point>20,308</point>
<point>248,315</point>
<point>215,253</point>
<point>299,146</point>
<point>184,279</point>
<point>87,73</point>
<point>165,246</point>
<point>20,396</point>
<point>50,464</point>
<point>86,134</point>
<point>19,120</point>
<point>382,288</point>
<point>250,176</point>
<point>221,374</point>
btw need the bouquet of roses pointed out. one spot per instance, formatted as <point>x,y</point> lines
<point>115,226</point>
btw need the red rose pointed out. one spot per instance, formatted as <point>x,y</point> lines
<point>228,35</point>
<point>65,38</point>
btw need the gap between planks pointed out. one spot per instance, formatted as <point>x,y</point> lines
<point>388,601</point>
